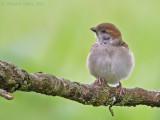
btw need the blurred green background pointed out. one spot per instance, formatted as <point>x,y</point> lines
<point>53,36</point>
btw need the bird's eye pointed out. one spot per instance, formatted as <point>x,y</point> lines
<point>103,31</point>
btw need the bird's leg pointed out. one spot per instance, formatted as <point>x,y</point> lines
<point>99,81</point>
<point>121,90</point>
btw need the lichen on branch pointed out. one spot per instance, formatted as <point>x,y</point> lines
<point>12,78</point>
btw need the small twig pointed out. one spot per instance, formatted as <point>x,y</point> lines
<point>4,94</point>
<point>111,111</point>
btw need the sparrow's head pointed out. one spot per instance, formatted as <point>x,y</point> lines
<point>107,33</point>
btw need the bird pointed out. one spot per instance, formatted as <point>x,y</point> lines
<point>110,59</point>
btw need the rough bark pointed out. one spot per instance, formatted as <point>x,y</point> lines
<point>13,78</point>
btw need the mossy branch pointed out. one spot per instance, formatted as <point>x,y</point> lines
<point>13,78</point>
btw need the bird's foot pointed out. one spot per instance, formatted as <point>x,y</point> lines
<point>99,81</point>
<point>121,90</point>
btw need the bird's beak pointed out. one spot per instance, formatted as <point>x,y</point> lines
<point>94,29</point>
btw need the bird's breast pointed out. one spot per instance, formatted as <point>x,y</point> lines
<point>110,63</point>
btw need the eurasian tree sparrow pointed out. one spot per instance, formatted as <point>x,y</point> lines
<point>110,59</point>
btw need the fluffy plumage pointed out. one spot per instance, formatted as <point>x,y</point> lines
<point>110,59</point>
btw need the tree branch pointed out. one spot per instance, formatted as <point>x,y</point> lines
<point>13,78</point>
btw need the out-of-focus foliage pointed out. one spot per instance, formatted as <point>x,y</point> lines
<point>53,36</point>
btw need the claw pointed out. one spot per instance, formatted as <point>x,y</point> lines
<point>121,90</point>
<point>99,81</point>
